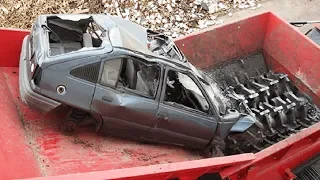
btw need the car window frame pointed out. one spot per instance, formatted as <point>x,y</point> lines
<point>128,90</point>
<point>101,73</point>
<point>31,38</point>
<point>180,106</point>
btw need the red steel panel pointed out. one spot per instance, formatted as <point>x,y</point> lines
<point>10,46</point>
<point>215,45</point>
<point>288,50</point>
<point>16,156</point>
<point>188,170</point>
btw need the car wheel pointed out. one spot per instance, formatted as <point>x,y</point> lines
<point>69,127</point>
<point>212,152</point>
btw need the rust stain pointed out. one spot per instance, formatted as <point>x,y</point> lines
<point>302,76</point>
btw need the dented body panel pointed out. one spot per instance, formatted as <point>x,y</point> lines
<point>103,65</point>
<point>137,115</point>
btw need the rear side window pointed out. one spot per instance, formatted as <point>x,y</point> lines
<point>88,72</point>
<point>111,70</point>
<point>136,76</point>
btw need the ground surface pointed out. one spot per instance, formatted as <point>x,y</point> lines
<point>21,14</point>
<point>173,17</point>
<point>290,10</point>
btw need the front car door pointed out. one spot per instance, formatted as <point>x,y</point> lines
<point>124,98</point>
<point>185,116</point>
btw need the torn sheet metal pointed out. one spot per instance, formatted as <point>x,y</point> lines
<point>243,124</point>
<point>73,17</point>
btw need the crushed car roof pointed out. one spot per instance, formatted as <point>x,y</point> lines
<point>126,34</point>
<point>123,33</point>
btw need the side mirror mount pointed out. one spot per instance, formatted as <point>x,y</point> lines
<point>234,121</point>
<point>227,121</point>
<point>243,124</point>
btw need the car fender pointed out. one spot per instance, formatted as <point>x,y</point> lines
<point>243,124</point>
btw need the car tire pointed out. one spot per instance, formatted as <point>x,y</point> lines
<point>212,152</point>
<point>69,127</point>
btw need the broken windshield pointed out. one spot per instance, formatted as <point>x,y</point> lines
<point>164,46</point>
<point>212,88</point>
<point>215,94</point>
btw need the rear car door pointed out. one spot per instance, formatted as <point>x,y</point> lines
<point>128,108</point>
<point>184,115</point>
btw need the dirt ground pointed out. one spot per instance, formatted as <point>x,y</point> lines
<point>290,10</point>
<point>173,17</point>
<point>21,14</point>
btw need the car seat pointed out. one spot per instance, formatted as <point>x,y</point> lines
<point>87,40</point>
<point>131,74</point>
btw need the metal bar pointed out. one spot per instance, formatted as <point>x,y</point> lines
<point>161,171</point>
<point>303,22</point>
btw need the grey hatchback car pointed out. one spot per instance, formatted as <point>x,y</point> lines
<point>130,81</point>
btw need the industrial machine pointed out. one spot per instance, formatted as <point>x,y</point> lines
<point>252,60</point>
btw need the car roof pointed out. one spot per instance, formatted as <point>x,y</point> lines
<point>123,34</point>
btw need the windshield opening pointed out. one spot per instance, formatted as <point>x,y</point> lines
<point>164,46</point>
<point>214,91</point>
<point>69,34</point>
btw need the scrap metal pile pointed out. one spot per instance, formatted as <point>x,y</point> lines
<point>172,17</point>
<point>279,108</point>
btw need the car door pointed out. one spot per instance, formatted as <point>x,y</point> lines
<point>179,124</point>
<point>124,111</point>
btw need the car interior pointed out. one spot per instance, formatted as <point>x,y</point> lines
<point>182,90</point>
<point>164,46</point>
<point>68,35</point>
<point>143,78</point>
<point>133,74</point>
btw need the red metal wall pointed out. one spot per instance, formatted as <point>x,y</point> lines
<point>10,46</point>
<point>289,51</point>
<point>215,45</point>
<point>285,50</point>
<point>16,156</point>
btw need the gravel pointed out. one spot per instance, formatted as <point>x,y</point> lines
<point>172,17</point>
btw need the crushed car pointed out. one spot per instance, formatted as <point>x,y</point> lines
<point>136,83</point>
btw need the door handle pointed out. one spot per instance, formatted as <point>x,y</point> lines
<point>163,116</point>
<point>107,98</point>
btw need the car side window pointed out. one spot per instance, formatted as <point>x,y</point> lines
<point>110,73</point>
<point>183,92</point>
<point>137,76</point>
<point>89,72</point>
